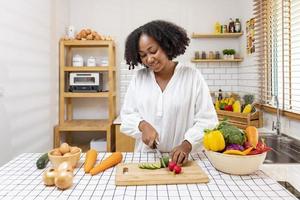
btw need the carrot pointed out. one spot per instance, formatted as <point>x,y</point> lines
<point>252,135</point>
<point>90,160</point>
<point>111,161</point>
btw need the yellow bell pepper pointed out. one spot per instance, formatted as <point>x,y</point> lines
<point>214,141</point>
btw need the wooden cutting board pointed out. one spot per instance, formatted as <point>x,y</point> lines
<point>131,174</point>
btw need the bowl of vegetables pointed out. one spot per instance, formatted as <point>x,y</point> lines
<point>65,152</point>
<point>234,151</point>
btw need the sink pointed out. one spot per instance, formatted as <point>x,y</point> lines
<point>285,149</point>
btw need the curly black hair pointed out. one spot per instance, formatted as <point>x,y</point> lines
<point>171,38</point>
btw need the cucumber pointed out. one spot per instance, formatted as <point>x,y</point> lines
<point>164,161</point>
<point>42,162</point>
<point>156,165</point>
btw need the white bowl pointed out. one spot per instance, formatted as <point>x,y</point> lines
<point>235,164</point>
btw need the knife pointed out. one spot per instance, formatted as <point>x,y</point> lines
<point>158,153</point>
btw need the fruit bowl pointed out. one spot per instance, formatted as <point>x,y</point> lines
<point>57,160</point>
<point>235,164</point>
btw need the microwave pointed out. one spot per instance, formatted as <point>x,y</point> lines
<point>85,82</point>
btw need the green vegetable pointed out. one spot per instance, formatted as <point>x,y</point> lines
<point>232,134</point>
<point>42,162</point>
<point>164,161</point>
<point>156,165</point>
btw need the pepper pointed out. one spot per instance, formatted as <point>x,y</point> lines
<point>214,141</point>
<point>237,152</point>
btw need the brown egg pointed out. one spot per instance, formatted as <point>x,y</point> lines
<point>74,150</point>
<point>67,154</point>
<point>56,152</point>
<point>64,148</point>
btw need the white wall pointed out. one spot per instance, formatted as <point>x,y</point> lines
<point>118,18</point>
<point>29,73</point>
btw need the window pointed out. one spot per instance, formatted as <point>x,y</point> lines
<point>278,44</point>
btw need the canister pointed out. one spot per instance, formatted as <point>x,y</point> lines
<point>77,60</point>
<point>91,61</point>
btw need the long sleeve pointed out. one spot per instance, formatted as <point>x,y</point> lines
<point>204,117</point>
<point>129,113</point>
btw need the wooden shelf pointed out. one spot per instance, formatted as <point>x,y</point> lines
<point>87,43</point>
<point>67,123</point>
<point>217,35</point>
<point>84,125</point>
<point>88,94</point>
<point>89,69</point>
<point>216,60</point>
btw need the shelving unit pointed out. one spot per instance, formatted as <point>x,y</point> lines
<point>216,35</point>
<point>66,122</point>
<point>216,60</point>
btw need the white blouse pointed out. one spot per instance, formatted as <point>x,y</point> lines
<point>181,112</point>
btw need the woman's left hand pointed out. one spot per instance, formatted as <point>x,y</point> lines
<point>180,154</point>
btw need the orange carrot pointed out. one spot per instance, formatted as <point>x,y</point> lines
<point>252,135</point>
<point>111,161</point>
<point>90,160</point>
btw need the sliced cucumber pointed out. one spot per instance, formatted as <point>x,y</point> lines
<point>156,165</point>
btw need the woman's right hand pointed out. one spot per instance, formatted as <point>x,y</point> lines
<point>149,133</point>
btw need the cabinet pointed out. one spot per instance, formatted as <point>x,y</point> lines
<point>124,143</point>
<point>66,123</point>
<point>216,35</point>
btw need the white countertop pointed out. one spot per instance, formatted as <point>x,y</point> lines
<point>284,172</point>
<point>20,179</point>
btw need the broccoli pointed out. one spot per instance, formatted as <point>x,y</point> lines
<point>231,134</point>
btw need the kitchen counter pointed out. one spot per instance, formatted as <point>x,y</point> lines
<point>20,179</point>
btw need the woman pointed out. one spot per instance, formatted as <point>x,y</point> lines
<point>167,104</point>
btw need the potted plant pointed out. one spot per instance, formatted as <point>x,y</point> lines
<point>225,53</point>
<point>231,53</point>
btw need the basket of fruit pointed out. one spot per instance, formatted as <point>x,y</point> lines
<point>234,151</point>
<point>239,114</point>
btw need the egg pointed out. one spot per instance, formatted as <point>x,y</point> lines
<point>74,150</point>
<point>64,148</point>
<point>56,152</point>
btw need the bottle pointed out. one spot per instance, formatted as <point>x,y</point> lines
<point>203,55</point>
<point>197,55</point>
<point>220,97</point>
<point>231,26</point>
<point>237,25</point>
<point>217,55</point>
<point>217,27</point>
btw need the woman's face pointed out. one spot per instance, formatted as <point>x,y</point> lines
<point>151,53</point>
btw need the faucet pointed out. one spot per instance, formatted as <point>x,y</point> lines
<point>276,126</point>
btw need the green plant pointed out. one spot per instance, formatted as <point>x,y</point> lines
<point>231,51</point>
<point>226,51</point>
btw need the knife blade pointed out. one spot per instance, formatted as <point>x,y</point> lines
<point>158,153</point>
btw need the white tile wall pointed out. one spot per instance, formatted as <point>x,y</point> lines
<point>217,76</point>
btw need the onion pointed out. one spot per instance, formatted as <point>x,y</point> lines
<point>49,176</point>
<point>65,166</point>
<point>64,179</point>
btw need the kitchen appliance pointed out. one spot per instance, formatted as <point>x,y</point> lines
<point>85,82</point>
<point>131,174</point>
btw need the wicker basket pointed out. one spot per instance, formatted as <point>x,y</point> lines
<point>242,120</point>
